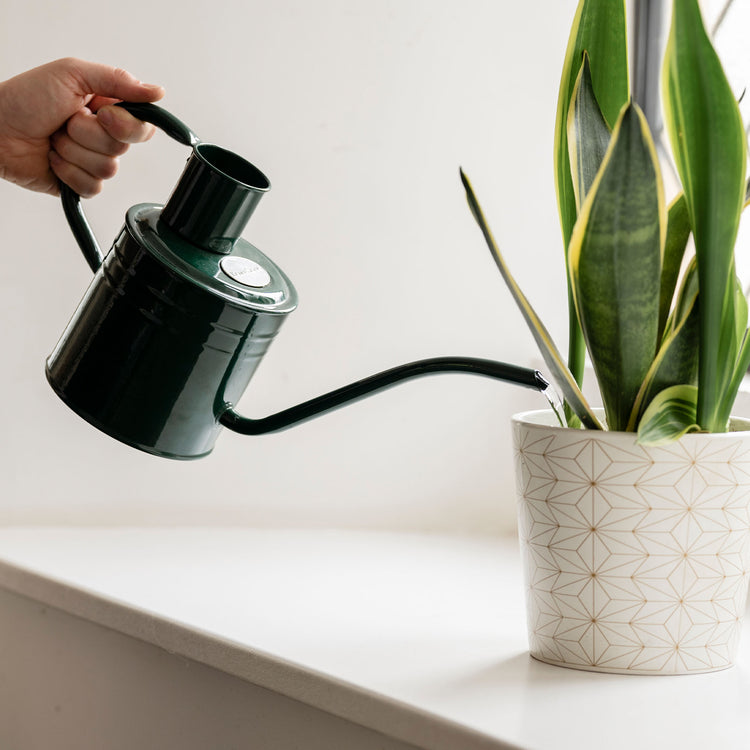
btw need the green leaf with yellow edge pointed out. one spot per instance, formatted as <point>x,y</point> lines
<point>615,260</point>
<point>740,312</point>
<point>685,298</point>
<point>677,358</point>
<point>669,416</point>
<point>600,29</point>
<point>708,144</point>
<point>734,342</point>
<point>734,322</point>
<point>740,370</point>
<point>552,358</point>
<point>678,234</point>
<point>588,134</point>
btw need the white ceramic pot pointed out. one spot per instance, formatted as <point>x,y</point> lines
<point>636,559</point>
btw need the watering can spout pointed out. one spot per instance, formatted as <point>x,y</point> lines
<point>354,392</point>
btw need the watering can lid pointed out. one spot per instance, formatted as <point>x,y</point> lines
<point>244,276</point>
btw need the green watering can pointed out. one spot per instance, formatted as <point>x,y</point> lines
<point>181,311</point>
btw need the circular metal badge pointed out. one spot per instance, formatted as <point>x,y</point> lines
<point>245,271</point>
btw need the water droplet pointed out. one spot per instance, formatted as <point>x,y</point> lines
<point>554,400</point>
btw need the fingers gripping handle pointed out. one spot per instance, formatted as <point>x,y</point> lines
<point>163,120</point>
<point>71,201</point>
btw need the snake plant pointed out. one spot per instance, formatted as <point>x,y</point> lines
<point>665,329</point>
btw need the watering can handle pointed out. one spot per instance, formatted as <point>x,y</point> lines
<point>71,201</point>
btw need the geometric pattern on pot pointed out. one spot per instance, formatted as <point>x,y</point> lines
<point>636,559</point>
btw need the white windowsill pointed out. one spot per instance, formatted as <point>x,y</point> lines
<point>421,638</point>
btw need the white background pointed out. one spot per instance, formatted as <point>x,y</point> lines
<point>360,113</point>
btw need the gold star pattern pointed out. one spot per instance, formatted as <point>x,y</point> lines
<point>636,558</point>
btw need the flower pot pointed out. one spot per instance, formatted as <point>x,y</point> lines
<point>636,559</point>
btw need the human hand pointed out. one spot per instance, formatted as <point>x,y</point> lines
<point>56,121</point>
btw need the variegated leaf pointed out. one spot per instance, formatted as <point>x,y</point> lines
<point>588,134</point>
<point>600,29</point>
<point>550,354</point>
<point>708,143</point>
<point>669,416</point>
<point>615,265</point>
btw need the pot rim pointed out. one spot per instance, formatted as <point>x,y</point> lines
<point>546,419</point>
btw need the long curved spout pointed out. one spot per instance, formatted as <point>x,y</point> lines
<point>349,393</point>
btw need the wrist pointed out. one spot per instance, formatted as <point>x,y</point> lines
<point>3,106</point>
<point>3,130</point>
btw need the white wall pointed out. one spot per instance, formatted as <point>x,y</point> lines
<point>360,113</point>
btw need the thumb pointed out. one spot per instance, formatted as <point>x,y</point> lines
<point>113,83</point>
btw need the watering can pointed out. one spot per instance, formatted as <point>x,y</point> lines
<point>182,310</point>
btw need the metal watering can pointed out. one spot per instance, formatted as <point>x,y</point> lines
<point>182,309</point>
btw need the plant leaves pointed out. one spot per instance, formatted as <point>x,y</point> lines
<point>678,234</point>
<point>669,416</point>
<point>688,291</point>
<point>740,312</point>
<point>599,28</point>
<point>677,359</point>
<point>588,134</point>
<point>615,265</point>
<point>708,143</point>
<point>740,370</point>
<point>547,348</point>
<point>734,321</point>
<point>733,342</point>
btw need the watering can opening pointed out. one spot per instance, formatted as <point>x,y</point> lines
<point>233,166</point>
